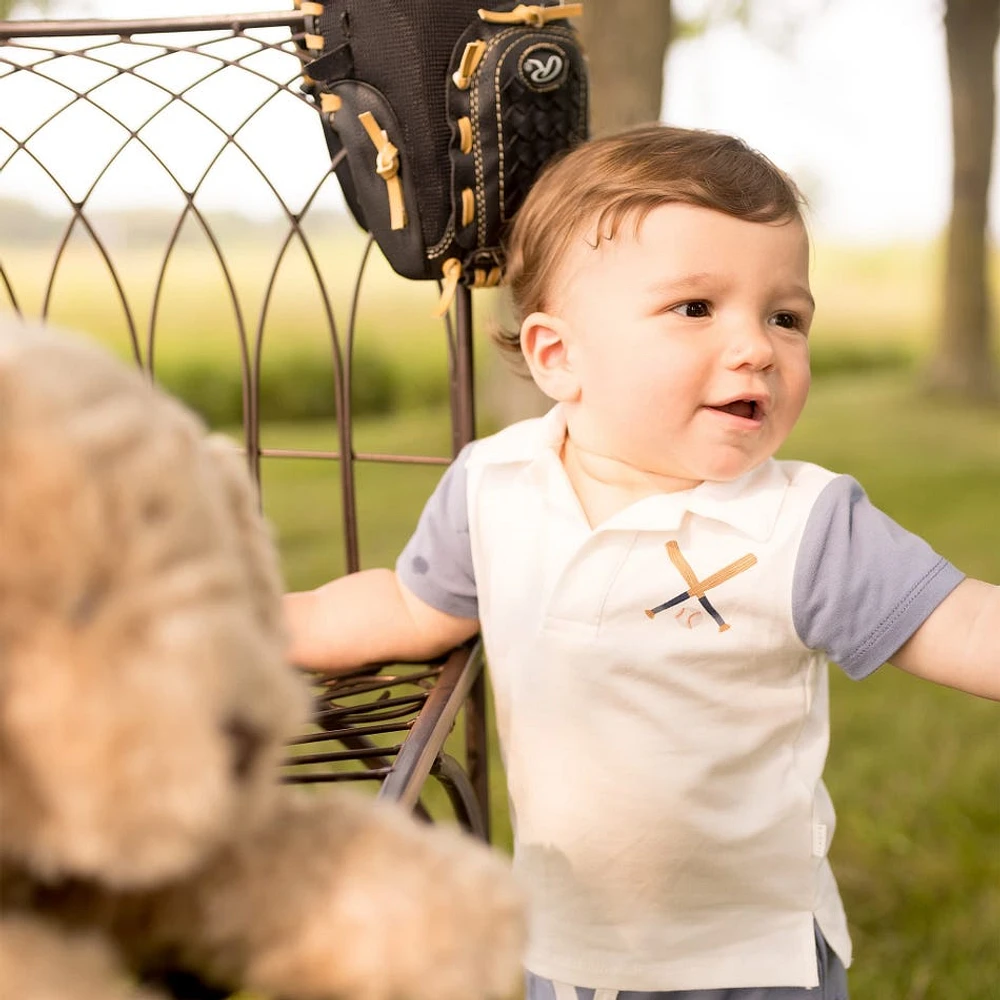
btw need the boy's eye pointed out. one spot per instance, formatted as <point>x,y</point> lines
<point>698,309</point>
<point>787,320</point>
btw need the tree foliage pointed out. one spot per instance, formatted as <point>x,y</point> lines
<point>626,44</point>
<point>9,7</point>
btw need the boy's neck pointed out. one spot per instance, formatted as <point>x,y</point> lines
<point>604,486</point>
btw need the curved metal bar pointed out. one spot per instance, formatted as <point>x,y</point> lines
<point>432,726</point>
<point>347,480</point>
<point>112,270</point>
<point>336,734</point>
<point>249,377</point>
<point>253,432</point>
<point>404,702</point>
<point>466,417</point>
<point>133,135</point>
<point>335,756</point>
<point>21,144</point>
<point>77,208</point>
<point>463,389</point>
<point>179,96</point>
<point>369,713</point>
<point>364,705</point>
<point>461,794</point>
<point>230,287</point>
<point>381,681</point>
<point>311,778</point>
<point>10,290</point>
<point>163,52</point>
<point>251,426</point>
<point>230,138</point>
<point>358,456</point>
<point>237,23</point>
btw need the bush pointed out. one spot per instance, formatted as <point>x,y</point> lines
<point>297,383</point>
<point>835,357</point>
<point>294,385</point>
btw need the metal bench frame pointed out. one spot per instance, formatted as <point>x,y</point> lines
<point>419,704</point>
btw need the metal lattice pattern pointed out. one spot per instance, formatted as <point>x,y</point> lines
<point>94,96</point>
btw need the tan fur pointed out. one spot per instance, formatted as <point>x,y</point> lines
<point>141,661</point>
<point>44,963</point>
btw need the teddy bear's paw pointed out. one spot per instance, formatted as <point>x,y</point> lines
<point>395,911</point>
<point>457,930</point>
<point>39,962</point>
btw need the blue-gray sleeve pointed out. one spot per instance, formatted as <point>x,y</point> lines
<point>863,585</point>
<point>436,563</point>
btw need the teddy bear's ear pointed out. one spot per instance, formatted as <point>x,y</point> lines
<point>255,543</point>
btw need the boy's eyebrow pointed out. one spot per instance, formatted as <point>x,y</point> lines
<point>798,291</point>
<point>697,279</point>
<point>694,278</point>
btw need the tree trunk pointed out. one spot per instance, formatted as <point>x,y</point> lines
<point>626,44</point>
<point>964,363</point>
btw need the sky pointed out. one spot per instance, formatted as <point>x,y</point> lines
<point>853,103</point>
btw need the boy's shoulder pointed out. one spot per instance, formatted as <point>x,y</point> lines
<point>519,442</point>
<point>805,475</point>
<point>810,489</point>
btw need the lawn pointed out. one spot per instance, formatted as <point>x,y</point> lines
<point>914,769</point>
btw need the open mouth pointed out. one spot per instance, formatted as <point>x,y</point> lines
<point>748,409</point>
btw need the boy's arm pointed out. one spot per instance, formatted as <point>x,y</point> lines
<point>367,617</point>
<point>959,643</point>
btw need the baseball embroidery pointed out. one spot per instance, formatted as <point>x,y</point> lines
<point>696,588</point>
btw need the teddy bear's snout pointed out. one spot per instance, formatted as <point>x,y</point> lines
<point>245,741</point>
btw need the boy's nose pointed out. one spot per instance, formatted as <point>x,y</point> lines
<point>750,346</point>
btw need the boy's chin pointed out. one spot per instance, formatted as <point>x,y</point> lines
<point>728,472</point>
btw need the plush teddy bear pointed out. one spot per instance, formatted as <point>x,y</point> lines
<point>146,845</point>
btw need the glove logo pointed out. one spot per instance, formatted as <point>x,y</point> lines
<point>543,67</point>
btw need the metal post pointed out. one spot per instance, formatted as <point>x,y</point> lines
<point>465,387</point>
<point>476,744</point>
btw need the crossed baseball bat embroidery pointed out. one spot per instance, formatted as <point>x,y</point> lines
<point>696,587</point>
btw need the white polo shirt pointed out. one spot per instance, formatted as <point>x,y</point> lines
<point>661,697</point>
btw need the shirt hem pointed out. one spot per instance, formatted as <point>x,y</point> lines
<point>787,959</point>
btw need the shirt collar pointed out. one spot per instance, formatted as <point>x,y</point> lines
<point>750,504</point>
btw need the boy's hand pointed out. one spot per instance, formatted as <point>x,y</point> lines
<point>959,644</point>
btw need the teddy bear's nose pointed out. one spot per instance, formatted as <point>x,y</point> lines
<point>246,740</point>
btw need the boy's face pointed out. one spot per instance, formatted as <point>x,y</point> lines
<point>685,346</point>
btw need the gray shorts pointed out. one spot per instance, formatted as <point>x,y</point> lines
<point>832,986</point>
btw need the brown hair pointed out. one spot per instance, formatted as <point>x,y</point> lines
<point>601,184</point>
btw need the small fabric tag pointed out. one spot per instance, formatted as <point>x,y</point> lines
<point>605,994</point>
<point>820,837</point>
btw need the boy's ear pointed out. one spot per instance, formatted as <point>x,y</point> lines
<point>545,345</point>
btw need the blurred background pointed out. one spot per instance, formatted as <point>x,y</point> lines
<point>884,112</point>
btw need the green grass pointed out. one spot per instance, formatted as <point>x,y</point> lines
<point>303,496</point>
<point>914,769</point>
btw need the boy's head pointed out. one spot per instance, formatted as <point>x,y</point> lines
<point>660,278</point>
<point>601,185</point>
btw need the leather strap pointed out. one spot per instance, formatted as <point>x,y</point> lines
<point>532,14</point>
<point>387,167</point>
